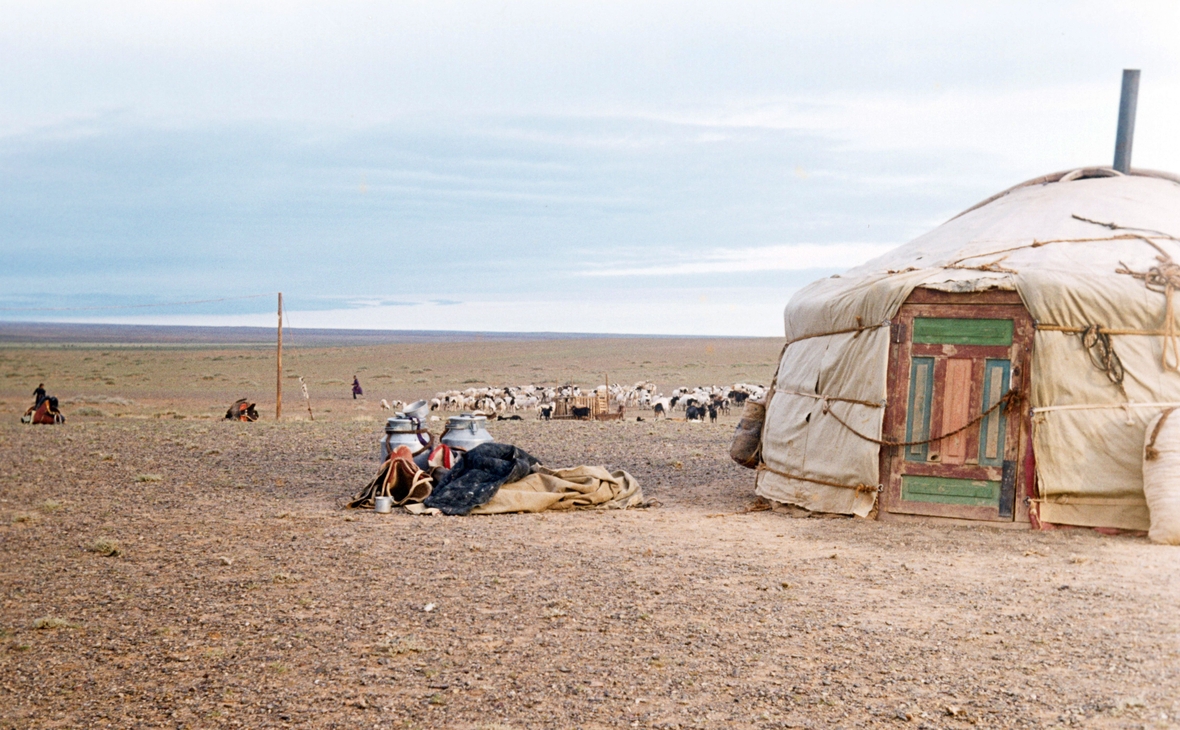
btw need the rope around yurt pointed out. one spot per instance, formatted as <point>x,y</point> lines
<point>1010,397</point>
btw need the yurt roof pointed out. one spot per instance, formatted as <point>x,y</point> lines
<point>1069,231</point>
<point>1097,214</point>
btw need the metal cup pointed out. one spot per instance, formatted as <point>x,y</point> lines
<point>383,505</point>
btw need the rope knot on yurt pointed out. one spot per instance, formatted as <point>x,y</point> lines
<point>1150,452</point>
<point>1102,354</point>
<point>1164,278</point>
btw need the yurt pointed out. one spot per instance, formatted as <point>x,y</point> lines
<point>1002,367</point>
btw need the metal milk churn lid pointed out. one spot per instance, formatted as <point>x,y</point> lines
<point>401,430</point>
<point>466,431</point>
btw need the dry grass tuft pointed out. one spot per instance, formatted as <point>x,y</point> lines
<point>150,478</point>
<point>398,645</point>
<point>106,547</point>
<point>52,622</point>
<point>50,505</point>
<point>90,411</point>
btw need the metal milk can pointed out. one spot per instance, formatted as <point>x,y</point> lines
<point>466,431</point>
<point>401,430</point>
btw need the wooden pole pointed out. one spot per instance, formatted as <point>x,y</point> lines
<point>279,366</point>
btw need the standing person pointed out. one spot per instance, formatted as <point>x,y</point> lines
<point>39,394</point>
<point>356,388</point>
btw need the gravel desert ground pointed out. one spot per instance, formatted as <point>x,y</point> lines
<point>162,568</point>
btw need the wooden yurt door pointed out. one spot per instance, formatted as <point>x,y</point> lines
<point>953,357</point>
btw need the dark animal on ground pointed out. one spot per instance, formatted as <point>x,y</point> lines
<point>713,413</point>
<point>672,403</point>
<point>639,419</point>
<point>694,413</point>
<point>579,412</point>
<point>658,410</point>
<point>738,396</point>
<point>509,418</point>
<point>547,412</point>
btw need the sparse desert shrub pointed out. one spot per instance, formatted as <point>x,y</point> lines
<point>149,478</point>
<point>395,646</point>
<point>106,547</point>
<point>22,517</point>
<point>91,411</point>
<point>50,505</point>
<point>52,622</point>
<point>113,400</point>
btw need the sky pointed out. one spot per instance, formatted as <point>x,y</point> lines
<point>639,168</point>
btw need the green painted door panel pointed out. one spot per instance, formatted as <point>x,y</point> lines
<point>945,490</point>
<point>992,428</point>
<point>921,403</point>
<point>952,331</point>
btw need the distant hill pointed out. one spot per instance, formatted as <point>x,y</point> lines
<point>54,333</point>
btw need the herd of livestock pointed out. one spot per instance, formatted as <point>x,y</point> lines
<point>696,403</point>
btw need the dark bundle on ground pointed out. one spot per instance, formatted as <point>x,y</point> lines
<point>478,476</point>
<point>242,410</point>
<point>44,413</point>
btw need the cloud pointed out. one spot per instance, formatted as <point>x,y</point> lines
<point>787,257</point>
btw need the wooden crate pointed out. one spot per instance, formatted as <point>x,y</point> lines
<point>602,407</point>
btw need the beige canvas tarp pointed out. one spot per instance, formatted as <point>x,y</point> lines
<point>578,487</point>
<point>1088,433</point>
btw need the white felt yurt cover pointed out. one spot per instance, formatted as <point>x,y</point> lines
<point>1059,243</point>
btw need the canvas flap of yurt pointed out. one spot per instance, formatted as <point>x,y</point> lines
<point>1080,251</point>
